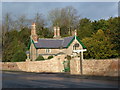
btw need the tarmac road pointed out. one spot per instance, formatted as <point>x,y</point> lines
<point>42,80</point>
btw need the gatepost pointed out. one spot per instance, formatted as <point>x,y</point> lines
<point>76,64</point>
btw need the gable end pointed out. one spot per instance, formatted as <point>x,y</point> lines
<point>78,41</point>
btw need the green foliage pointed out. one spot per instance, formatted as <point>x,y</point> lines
<point>99,46</point>
<point>85,28</point>
<point>39,58</point>
<point>68,57</point>
<point>67,69</point>
<point>101,37</point>
<point>114,32</point>
<point>64,31</point>
<point>45,33</point>
<point>50,57</point>
<point>66,66</point>
<point>14,41</point>
<point>19,56</point>
<point>24,36</point>
<point>100,24</point>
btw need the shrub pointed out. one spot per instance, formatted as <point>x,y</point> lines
<point>68,57</point>
<point>19,56</point>
<point>39,58</point>
<point>50,57</point>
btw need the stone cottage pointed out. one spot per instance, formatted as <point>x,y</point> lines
<point>53,46</point>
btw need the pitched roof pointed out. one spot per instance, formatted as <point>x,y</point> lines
<point>49,43</point>
<point>53,43</point>
<point>67,40</point>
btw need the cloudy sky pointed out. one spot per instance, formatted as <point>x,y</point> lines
<point>91,10</point>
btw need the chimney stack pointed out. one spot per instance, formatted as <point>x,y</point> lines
<point>74,33</point>
<point>33,33</point>
<point>57,32</point>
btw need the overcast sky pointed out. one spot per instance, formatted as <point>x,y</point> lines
<point>91,10</point>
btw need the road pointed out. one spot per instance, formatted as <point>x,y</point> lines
<point>37,80</point>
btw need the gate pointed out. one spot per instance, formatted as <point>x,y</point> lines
<point>66,64</point>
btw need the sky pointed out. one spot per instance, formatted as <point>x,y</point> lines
<point>91,10</point>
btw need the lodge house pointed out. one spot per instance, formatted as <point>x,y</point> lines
<point>53,46</point>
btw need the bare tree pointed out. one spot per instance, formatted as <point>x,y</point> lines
<point>6,25</point>
<point>40,23</point>
<point>7,22</point>
<point>39,20</point>
<point>64,17</point>
<point>72,18</point>
<point>55,17</point>
<point>21,22</point>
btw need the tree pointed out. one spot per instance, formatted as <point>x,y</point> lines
<point>99,46</point>
<point>12,45</point>
<point>71,18</point>
<point>47,33</point>
<point>55,17</point>
<point>24,36</point>
<point>22,22</point>
<point>100,24</point>
<point>40,23</point>
<point>19,56</point>
<point>6,26</point>
<point>85,28</point>
<point>7,22</point>
<point>114,32</point>
<point>66,18</point>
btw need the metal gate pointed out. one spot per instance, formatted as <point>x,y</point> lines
<point>66,66</point>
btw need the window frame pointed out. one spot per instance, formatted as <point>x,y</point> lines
<point>48,50</point>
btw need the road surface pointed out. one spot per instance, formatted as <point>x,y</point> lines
<point>37,80</point>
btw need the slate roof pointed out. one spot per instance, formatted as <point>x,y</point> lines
<point>53,43</point>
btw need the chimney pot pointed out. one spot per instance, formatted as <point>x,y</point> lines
<point>75,32</point>
<point>55,31</point>
<point>58,31</point>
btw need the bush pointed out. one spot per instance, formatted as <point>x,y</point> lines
<point>40,57</point>
<point>68,57</point>
<point>50,57</point>
<point>19,56</point>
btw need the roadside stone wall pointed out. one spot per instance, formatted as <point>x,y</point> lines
<point>53,65</point>
<point>75,66</point>
<point>102,67</point>
<point>15,66</point>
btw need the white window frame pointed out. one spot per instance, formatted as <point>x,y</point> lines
<point>48,50</point>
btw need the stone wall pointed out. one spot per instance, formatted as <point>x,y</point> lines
<point>105,67</point>
<point>102,67</point>
<point>75,66</point>
<point>53,65</point>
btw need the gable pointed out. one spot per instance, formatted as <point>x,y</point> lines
<point>30,42</point>
<point>78,41</point>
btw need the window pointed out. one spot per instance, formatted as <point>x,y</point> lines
<point>75,46</point>
<point>48,50</point>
